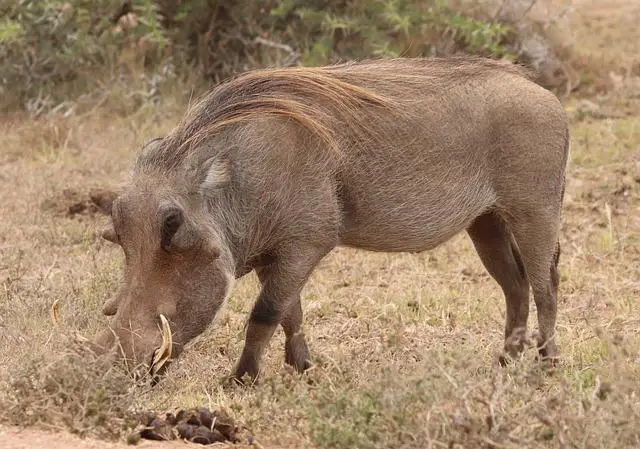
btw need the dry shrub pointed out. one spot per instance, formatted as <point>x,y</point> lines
<point>527,404</point>
<point>24,137</point>
<point>71,389</point>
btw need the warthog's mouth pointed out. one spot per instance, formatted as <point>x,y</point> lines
<point>162,354</point>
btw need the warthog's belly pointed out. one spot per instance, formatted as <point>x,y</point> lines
<point>411,220</point>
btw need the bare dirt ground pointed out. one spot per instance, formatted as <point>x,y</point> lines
<point>404,346</point>
<point>14,438</point>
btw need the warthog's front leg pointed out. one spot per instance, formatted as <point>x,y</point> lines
<point>279,303</point>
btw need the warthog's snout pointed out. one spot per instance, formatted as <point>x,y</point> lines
<point>142,359</point>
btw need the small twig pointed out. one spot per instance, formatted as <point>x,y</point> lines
<point>95,107</point>
<point>48,272</point>
<point>268,43</point>
<point>493,443</point>
<point>607,210</point>
<point>294,55</point>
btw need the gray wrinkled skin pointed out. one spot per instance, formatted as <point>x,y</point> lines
<point>273,169</point>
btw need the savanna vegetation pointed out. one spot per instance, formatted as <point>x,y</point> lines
<point>404,346</point>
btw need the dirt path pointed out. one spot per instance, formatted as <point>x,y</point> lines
<point>13,438</point>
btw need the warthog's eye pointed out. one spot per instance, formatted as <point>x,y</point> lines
<point>172,219</point>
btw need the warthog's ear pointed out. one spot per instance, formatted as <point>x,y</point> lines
<point>214,173</point>
<point>110,234</point>
<point>148,147</point>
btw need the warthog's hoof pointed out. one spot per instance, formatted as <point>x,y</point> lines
<point>240,379</point>
<point>547,351</point>
<point>296,353</point>
<point>518,341</point>
<point>550,360</point>
<point>515,345</point>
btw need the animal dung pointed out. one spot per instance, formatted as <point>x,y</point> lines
<point>200,425</point>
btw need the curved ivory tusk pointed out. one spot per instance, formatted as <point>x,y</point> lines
<point>55,312</point>
<point>163,353</point>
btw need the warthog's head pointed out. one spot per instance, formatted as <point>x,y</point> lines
<point>174,278</point>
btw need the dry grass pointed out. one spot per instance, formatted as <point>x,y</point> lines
<point>74,390</point>
<point>597,38</point>
<point>404,346</point>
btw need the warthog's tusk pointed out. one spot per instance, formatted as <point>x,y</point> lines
<point>163,353</point>
<point>55,312</point>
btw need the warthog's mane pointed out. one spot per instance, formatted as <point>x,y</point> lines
<point>321,99</point>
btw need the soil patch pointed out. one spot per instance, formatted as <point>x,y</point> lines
<point>72,202</point>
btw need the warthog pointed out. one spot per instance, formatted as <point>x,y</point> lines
<point>274,168</point>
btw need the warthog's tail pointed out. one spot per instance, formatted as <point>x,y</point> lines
<point>555,275</point>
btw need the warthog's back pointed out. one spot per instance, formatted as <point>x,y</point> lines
<point>473,135</point>
<point>402,153</point>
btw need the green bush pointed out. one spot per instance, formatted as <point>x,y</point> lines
<point>44,44</point>
<point>53,51</point>
<point>334,30</point>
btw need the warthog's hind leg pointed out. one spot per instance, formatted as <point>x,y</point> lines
<point>296,352</point>
<point>537,238</point>
<point>502,259</point>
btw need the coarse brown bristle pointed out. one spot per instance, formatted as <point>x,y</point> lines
<point>321,99</point>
